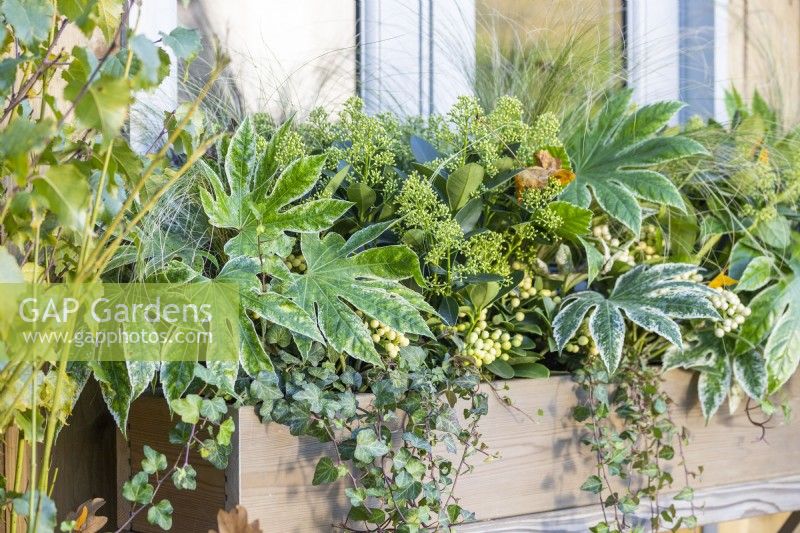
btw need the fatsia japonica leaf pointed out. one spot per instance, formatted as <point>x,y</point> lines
<point>613,155</point>
<point>338,280</point>
<point>650,297</point>
<point>261,206</point>
<point>261,301</point>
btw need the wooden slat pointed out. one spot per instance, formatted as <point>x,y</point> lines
<point>713,505</point>
<point>541,467</point>
<point>542,462</point>
<point>194,511</point>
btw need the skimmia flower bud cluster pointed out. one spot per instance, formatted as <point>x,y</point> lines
<point>731,309</point>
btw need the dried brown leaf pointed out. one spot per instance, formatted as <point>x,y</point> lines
<point>235,521</point>
<point>85,517</point>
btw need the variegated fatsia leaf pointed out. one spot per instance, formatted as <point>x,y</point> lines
<point>261,205</point>
<point>650,297</point>
<point>339,279</point>
<point>613,158</point>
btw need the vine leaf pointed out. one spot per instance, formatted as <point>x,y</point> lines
<point>612,155</point>
<point>650,297</point>
<point>337,280</point>
<point>262,218</point>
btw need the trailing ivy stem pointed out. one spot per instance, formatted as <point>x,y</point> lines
<point>160,481</point>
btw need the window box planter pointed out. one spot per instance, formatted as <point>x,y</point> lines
<point>533,486</point>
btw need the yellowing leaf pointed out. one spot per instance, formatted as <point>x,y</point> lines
<point>722,280</point>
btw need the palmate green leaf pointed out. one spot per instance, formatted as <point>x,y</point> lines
<point>160,515</point>
<point>66,190</point>
<point>612,154</point>
<point>368,446</point>
<point>337,281</point>
<point>260,207</point>
<point>650,297</point>
<point>269,305</point>
<point>30,19</point>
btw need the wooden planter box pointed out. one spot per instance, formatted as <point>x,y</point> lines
<point>534,486</point>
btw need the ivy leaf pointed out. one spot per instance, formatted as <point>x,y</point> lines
<point>593,484</point>
<point>213,409</point>
<point>153,461</point>
<point>185,478</point>
<point>368,280</point>
<point>160,515</point>
<point>328,472</point>
<point>138,490</point>
<point>225,432</point>
<point>368,446</point>
<point>175,378</point>
<point>650,297</point>
<point>188,408</point>
<point>262,219</point>
<point>30,19</point>
<point>612,155</point>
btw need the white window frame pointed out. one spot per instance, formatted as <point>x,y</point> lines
<point>150,18</point>
<point>653,47</point>
<point>415,56</point>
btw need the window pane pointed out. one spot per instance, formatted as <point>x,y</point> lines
<point>549,53</point>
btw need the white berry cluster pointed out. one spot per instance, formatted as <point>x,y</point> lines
<point>645,246</point>
<point>486,343</point>
<point>385,336</point>
<point>603,233</point>
<point>732,310</point>
<point>582,343</point>
<point>695,276</point>
<point>296,263</point>
<point>526,290</point>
